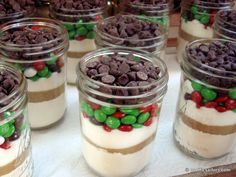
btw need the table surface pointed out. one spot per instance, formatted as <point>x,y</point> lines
<point>57,153</point>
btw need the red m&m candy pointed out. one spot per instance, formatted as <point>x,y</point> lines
<point>39,65</point>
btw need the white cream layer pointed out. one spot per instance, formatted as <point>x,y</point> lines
<point>207,116</point>
<point>24,170</point>
<point>116,164</point>
<point>85,45</point>
<point>16,149</point>
<point>116,139</point>
<point>204,144</point>
<point>45,113</point>
<point>196,29</point>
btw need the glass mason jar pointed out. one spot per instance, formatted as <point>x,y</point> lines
<point>157,12</point>
<point>154,45</point>
<point>206,112</point>
<point>80,25</point>
<point>28,10</point>
<point>43,65</point>
<point>225,29</point>
<point>119,123</point>
<point>15,149</point>
<point>197,18</point>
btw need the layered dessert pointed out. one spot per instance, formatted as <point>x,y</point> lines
<point>130,31</point>
<point>154,11</point>
<point>15,9</point>
<point>206,117</point>
<point>15,151</point>
<point>44,69</point>
<point>80,18</point>
<point>225,25</point>
<point>197,18</point>
<point>119,123</point>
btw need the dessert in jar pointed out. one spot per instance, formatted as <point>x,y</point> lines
<point>197,18</point>
<point>205,125</point>
<point>80,18</point>
<point>132,32</point>
<point>15,9</point>
<point>149,10</point>
<point>15,149</point>
<point>38,47</point>
<point>120,92</point>
<point>225,25</point>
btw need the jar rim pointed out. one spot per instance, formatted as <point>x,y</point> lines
<point>219,19</point>
<point>202,41</point>
<point>31,22</point>
<point>22,85</point>
<point>111,50</point>
<point>106,20</point>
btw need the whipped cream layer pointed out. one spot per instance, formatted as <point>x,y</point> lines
<point>45,113</point>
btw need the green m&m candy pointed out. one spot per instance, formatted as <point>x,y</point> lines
<point>52,60</point>
<point>136,125</point>
<point>43,72</point>
<point>69,26</point>
<point>128,120</point>
<point>234,110</point>
<point>196,86</point>
<point>143,117</point>
<point>208,94</point>
<point>108,110</point>
<point>90,26</point>
<point>82,31</point>
<point>197,17</point>
<point>112,122</point>
<point>79,24</point>
<point>91,35</point>
<point>130,111</point>
<point>194,9</point>
<point>4,129</point>
<point>88,110</point>
<point>232,93</point>
<point>10,131</point>
<point>205,19</point>
<point>100,116</point>
<point>34,78</point>
<point>72,34</point>
<point>49,74</point>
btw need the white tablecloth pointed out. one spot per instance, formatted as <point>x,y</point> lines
<point>56,151</point>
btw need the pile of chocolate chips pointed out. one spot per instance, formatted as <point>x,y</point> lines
<point>13,6</point>
<point>30,36</point>
<point>78,4</point>
<point>8,84</point>
<point>123,71</point>
<point>131,29</point>
<point>217,58</point>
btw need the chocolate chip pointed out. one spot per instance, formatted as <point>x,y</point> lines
<point>137,67</point>
<point>103,69</point>
<point>92,64</point>
<point>132,76</point>
<point>92,72</point>
<point>142,76</point>
<point>108,79</point>
<point>123,79</point>
<point>124,67</point>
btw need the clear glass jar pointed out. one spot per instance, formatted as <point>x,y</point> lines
<point>44,67</point>
<point>154,45</point>
<point>81,28</point>
<point>197,18</point>
<point>29,12</point>
<point>224,29</point>
<point>206,110</point>
<point>157,13</point>
<point>15,148</point>
<point>123,150</point>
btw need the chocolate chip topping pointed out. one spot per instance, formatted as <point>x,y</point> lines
<point>13,6</point>
<point>29,36</point>
<point>78,4</point>
<point>120,71</point>
<point>8,84</point>
<point>217,58</point>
